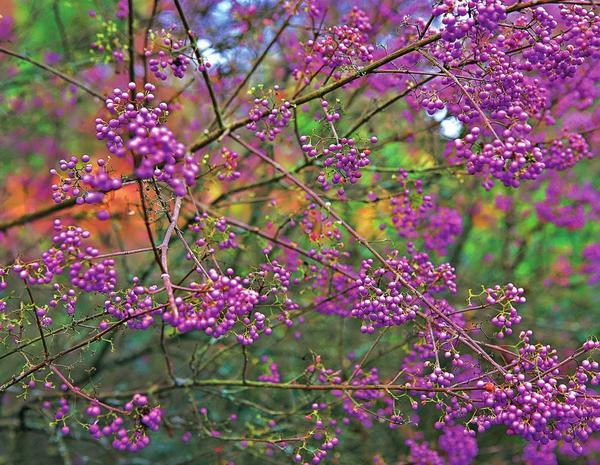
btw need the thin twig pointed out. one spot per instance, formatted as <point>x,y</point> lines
<point>164,256</point>
<point>194,44</point>
<point>262,56</point>
<point>54,71</point>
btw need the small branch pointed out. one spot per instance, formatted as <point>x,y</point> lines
<point>358,367</point>
<point>211,92</point>
<point>385,105</point>
<point>36,215</point>
<point>147,225</point>
<point>427,26</point>
<point>57,73</point>
<point>39,325</point>
<point>61,30</point>
<point>148,28</point>
<point>164,256</point>
<point>299,386</point>
<point>163,347</point>
<point>485,119</point>
<point>462,334</point>
<point>274,240</point>
<point>130,37</point>
<point>75,390</point>
<point>16,378</point>
<point>245,366</point>
<point>72,325</point>
<point>262,56</point>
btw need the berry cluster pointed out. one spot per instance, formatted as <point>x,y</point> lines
<point>163,157</point>
<point>415,214</point>
<point>535,405</point>
<point>567,204</point>
<point>130,438</point>
<point>564,153</point>
<point>340,47</point>
<point>392,305</point>
<point>272,111</point>
<point>170,55</point>
<point>273,375</point>
<point>459,444</point>
<point>81,182</point>
<point>343,160</point>
<point>462,18</point>
<point>122,9</point>
<point>510,161</point>
<point>498,98</point>
<point>230,165</point>
<point>158,152</point>
<point>218,304</point>
<point>558,56</point>
<point>591,267</point>
<point>130,113</point>
<point>504,297</point>
<point>422,454</point>
<point>216,234</point>
<point>135,303</point>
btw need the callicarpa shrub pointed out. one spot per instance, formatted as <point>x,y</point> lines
<point>299,231</point>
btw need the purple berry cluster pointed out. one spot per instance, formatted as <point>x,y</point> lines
<point>510,161</point>
<point>540,454</point>
<point>591,255</point>
<point>409,206</point>
<point>564,153</point>
<point>341,46</point>
<point>163,157</point>
<point>534,404</point>
<point>159,153</point>
<point>272,369</point>
<point>219,303</point>
<point>229,171</point>
<point>170,55</point>
<point>392,305</point>
<point>567,204</point>
<point>498,98</point>
<point>272,111</point>
<point>216,234</point>
<point>459,444</point>
<point>504,297</point>
<point>558,56</point>
<point>127,437</point>
<point>443,226</point>
<point>416,214</point>
<point>100,276</point>
<point>342,159</point>
<point>422,454</point>
<point>80,182</point>
<point>367,397</point>
<point>135,303</point>
<point>462,18</point>
<point>122,9</point>
<point>130,113</point>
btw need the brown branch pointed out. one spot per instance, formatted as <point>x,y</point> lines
<point>262,56</point>
<point>465,338</point>
<point>211,92</point>
<point>164,256</point>
<point>130,43</point>
<point>36,215</point>
<point>51,70</point>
